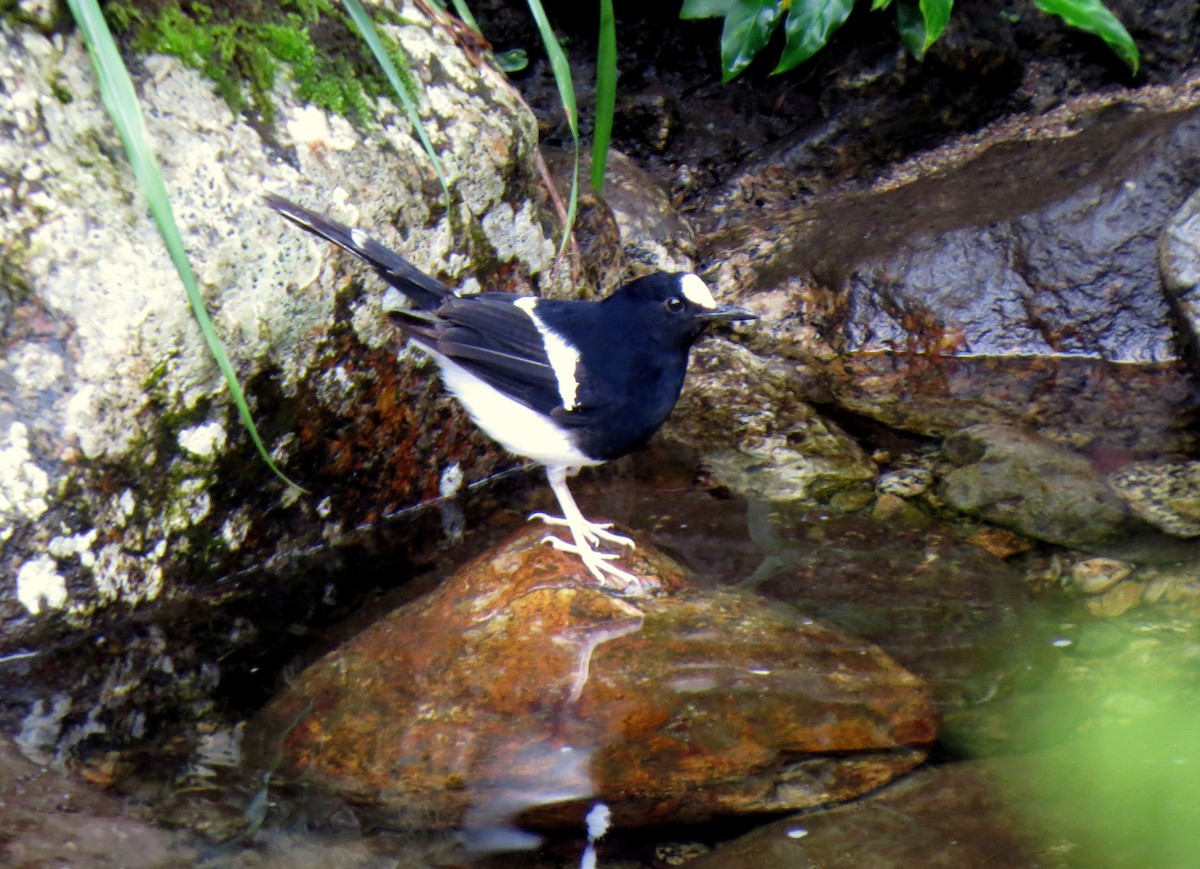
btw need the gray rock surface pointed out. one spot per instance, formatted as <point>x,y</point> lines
<point>125,475</point>
<point>1164,493</point>
<point>106,372</point>
<point>1010,276</point>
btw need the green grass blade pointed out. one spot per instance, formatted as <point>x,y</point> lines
<point>566,92</point>
<point>464,15</point>
<point>366,29</point>
<point>120,99</point>
<point>606,93</point>
<point>1095,18</point>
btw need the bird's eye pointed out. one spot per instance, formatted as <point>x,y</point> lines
<point>674,304</point>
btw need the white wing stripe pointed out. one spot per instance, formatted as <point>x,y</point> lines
<point>564,358</point>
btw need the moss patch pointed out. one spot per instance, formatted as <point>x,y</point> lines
<point>244,45</point>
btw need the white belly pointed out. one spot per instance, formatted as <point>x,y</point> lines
<point>517,428</point>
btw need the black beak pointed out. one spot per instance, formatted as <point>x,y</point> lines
<point>725,313</point>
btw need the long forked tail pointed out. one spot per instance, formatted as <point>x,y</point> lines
<point>423,291</point>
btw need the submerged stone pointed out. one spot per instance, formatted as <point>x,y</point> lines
<point>519,692</point>
<point>1022,481</point>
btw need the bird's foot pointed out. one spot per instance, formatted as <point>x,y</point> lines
<point>608,575</point>
<point>593,532</point>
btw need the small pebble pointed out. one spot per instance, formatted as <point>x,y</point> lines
<point>1172,584</point>
<point>905,482</point>
<point>1119,599</point>
<point>679,853</point>
<point>887,506</point>
<point>999,542</point>
<point>1098,575</point>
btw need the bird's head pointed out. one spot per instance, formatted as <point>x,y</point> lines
<point>676,304</point>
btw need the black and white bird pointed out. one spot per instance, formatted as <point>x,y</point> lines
<point>566,383</point>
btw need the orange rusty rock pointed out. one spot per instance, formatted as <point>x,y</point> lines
<point>519,689</point>
<point>1000,542</point>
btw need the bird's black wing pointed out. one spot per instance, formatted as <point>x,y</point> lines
<point>498,342</point>
<point>424,291</point>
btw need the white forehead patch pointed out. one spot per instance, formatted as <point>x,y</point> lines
<point>696,292</point>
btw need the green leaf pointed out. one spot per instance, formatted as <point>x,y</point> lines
<point>911,25</point>
<point>936,14</point>
<point>513,60</point>
<point>748,26</point>
<point>606,93</point>
<point>876,5</point>
<point>120,99</point>
<point>566,93</point>
<point>706,8</point>
<point>809,25</point>
<point>366,29</point>
<point>921,24</point>
<point>1095,18</point>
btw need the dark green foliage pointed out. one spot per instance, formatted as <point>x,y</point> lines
<point>809,24</point>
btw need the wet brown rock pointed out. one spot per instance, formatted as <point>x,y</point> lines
<point>1010,277</point>
<point>518,690</point>
<point>952,815</point>
<point>744,416</point>
<point>1179,258</point>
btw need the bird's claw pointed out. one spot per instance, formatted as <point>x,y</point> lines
<point>593,532</point>
<point>563,546</point>
<point>608,575</point>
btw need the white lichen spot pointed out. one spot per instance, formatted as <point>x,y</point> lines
<point>311,126</point>
<point>122,507</point>
<point>235,529</point>
<point>41,728</point>
<point>35,367</point>
<point>79,414</point>
<point>199,507</point>
<point>125,576</point>
<point>335,387</point>
<point>23,484</point>
<point>470,287</point>
<point>39,585</point>
<point>203,441</point>
<point>451,480</point>
<point>74,545</point>
<point>517,235</point>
